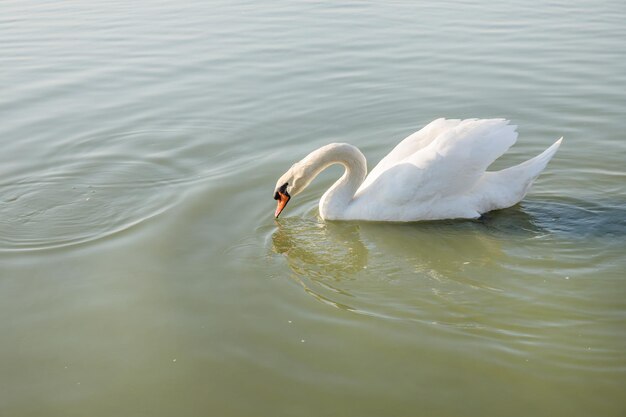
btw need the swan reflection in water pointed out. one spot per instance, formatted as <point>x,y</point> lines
<point>337,251</point>
<point>321,254</point>
<point>358,266</point>
<point>436,271</point>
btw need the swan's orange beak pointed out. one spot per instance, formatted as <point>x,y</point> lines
<point>282,199</point>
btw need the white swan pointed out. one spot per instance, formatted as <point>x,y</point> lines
<point>436,173</point>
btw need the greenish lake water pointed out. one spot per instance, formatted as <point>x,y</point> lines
<point>142,272</point>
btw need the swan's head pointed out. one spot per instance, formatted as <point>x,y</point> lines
<point>291,183</point>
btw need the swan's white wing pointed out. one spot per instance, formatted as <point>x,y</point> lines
<point>450,165</point>
<point>459,157</point>
<point>410,145</point>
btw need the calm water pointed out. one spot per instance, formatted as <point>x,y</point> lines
<point>142,273</point>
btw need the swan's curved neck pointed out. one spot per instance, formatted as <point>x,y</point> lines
<point>336,200</point>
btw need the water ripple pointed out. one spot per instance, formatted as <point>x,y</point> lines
<point>83,201</point>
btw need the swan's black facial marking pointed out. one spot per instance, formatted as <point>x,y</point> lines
<point>281,190</point>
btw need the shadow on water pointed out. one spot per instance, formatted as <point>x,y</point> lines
<point>567,218</point>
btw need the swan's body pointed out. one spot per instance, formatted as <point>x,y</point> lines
<point>439,172</point>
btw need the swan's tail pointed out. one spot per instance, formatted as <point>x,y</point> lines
<point>533,167</point>
<point>505,188</point>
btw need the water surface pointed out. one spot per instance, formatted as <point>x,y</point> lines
<point>142,273</point>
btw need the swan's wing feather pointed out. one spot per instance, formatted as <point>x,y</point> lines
<point>410,145</point>
<point>450,165</point>
<point>459,157</point>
